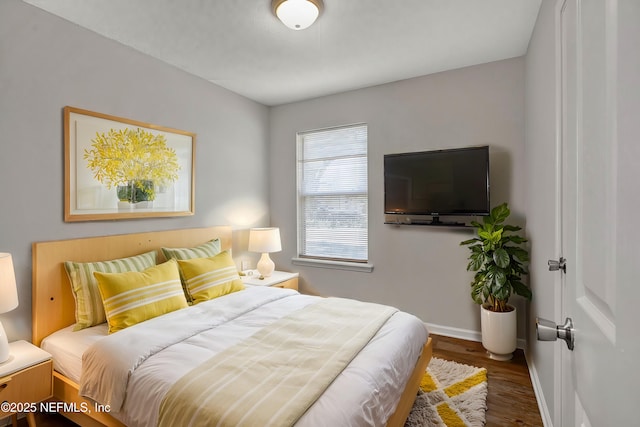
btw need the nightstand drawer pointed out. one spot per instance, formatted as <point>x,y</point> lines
<point>289,284</point>
<point>30,385</point>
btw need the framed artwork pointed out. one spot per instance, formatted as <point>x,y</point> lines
<point>118,168</point>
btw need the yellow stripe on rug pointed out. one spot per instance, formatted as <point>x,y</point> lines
<point>451,395</point>
<point>449,416</point>
<point>427,383</point>
<point>467,383</point>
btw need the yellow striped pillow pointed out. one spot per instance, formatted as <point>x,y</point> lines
<point>208,249</point>
<point>133,297</point>
<point>208,278</point>
<point>89,309</point>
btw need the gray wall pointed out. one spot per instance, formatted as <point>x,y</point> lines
<point>541,129</point>
<point>418,269</point>
<point>47,63</point>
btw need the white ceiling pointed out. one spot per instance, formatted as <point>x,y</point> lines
<point>241,45</point>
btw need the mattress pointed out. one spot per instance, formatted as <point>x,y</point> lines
<point>364,394</point>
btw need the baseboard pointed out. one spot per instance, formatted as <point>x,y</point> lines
<point>464,334</point>
<point>547,420</point>
<point>447,331</point>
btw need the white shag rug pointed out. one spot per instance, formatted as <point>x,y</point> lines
<point>451,395</point>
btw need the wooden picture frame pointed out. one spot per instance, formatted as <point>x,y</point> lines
<point>117,168</point>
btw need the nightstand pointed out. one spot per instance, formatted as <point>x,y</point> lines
<point>25,380</point>
<point>278,279</point>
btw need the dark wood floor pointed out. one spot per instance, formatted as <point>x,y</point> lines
<point>511,401</point>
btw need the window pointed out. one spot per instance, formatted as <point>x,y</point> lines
<point>332,194</point>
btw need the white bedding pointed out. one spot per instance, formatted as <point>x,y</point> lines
<point>366,393</point>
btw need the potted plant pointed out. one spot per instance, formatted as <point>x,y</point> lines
<point>134,161</point>
<point>498,258</point>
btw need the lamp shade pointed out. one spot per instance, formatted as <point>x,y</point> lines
<point>8,290</point>
<point>264,240</point>
<point>297,14</point>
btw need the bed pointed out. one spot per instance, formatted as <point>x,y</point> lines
<point>54,307</point>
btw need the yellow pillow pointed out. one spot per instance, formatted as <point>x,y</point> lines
<point>89,310</point>
<point>208,278</point>
<point>133,297</point>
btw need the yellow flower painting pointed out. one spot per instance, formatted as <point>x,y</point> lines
<point>120,168</point>
<point>133,160</point>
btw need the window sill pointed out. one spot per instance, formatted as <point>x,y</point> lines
<point>337,265</point>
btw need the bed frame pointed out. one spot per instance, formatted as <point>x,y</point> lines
<point>53,305</point>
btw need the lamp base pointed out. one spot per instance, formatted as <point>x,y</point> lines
<point>265,265</point>
<point>4,345</point>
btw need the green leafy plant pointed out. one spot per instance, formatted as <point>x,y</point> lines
<point>498,258</point>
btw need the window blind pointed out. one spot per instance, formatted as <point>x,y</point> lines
<point>332,194</point>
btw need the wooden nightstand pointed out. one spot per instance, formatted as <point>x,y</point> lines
<point>278,279</point>
<point>25,380</point>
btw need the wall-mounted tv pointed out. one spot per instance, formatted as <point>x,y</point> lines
<point>436,183</point>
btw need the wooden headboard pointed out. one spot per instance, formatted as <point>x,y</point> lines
<point>52,302</point>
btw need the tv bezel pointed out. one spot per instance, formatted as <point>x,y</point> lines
<point>435,215</point>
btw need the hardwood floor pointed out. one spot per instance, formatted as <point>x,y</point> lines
<point>511,401</point>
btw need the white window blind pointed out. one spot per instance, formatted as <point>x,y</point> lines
<point>332,194</point>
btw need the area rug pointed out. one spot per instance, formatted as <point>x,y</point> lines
<point>451,395</point>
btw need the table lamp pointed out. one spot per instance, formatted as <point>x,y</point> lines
<point>8,299</point>
<point>265,240</point>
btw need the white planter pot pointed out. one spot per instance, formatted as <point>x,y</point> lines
<point>499,333</point>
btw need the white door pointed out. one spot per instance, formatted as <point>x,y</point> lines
<point>600,378</point>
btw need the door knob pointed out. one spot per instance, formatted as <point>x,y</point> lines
<point>555,265</point>
<point>549,331</point>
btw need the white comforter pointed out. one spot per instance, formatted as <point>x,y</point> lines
<point>134,368</point>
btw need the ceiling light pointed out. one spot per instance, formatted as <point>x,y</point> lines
<point>297,14</point>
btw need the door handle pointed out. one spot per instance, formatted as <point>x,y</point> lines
<point>555,265</point>
<point>546,330</point>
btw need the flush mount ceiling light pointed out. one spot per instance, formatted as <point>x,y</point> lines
<point>297,14</point>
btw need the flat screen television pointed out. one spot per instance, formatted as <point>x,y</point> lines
<point>436,183</point>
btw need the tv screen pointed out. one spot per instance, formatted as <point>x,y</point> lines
<point>442,182</point>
